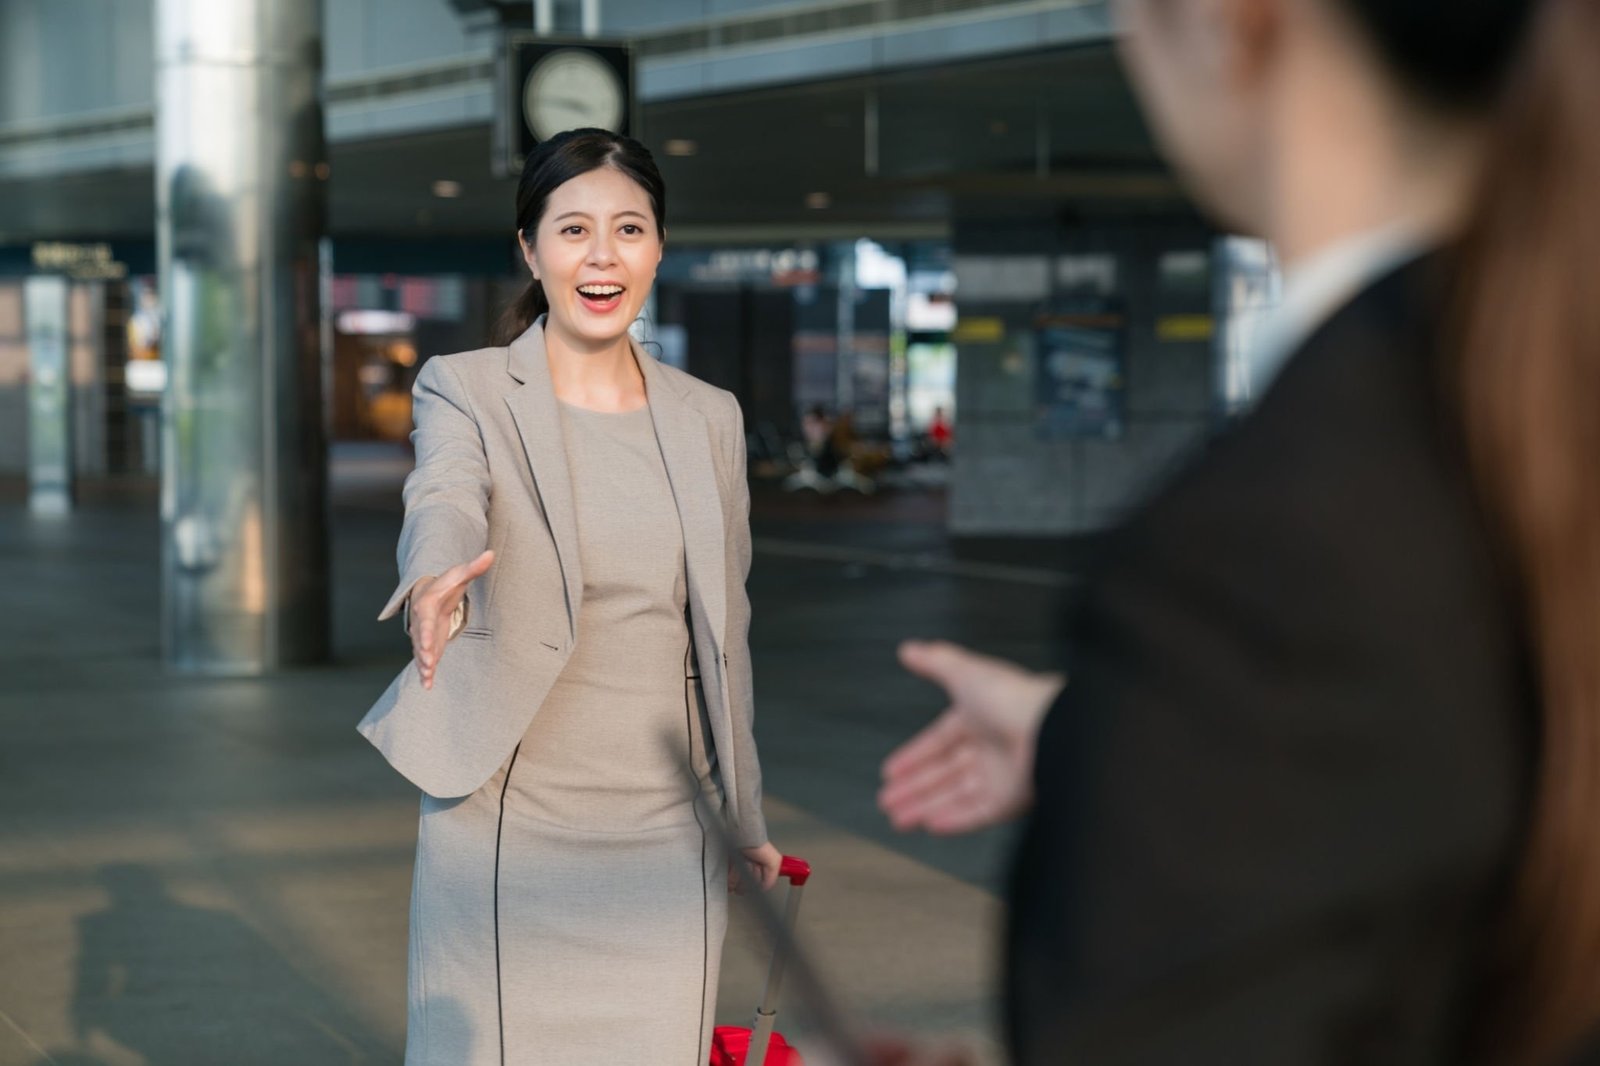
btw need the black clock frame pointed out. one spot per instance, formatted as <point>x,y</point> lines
<point>516,58</point>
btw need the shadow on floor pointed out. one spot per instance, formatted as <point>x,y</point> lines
<point>180,984</point>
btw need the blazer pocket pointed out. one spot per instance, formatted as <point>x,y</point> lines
<point>476,633</point>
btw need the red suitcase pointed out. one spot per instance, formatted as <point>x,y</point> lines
<point>732,1045</point>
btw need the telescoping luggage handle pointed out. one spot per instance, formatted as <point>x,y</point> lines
<point>797,872</point>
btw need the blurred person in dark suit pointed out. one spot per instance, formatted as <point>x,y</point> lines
<point>1321,782</point>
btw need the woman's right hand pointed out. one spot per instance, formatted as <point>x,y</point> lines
<point>432,603</point>
<point>973,767</point>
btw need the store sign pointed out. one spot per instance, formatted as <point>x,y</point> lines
<point>1080,378</point>
<point>81,262</point>
<point>785,266</point>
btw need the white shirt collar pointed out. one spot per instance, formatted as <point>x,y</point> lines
<point>1321,284</point>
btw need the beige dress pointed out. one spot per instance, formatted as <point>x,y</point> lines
<point>572,910</point>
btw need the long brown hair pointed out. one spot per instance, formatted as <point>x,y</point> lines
<point>550,165</point>
<point>1528,366</point>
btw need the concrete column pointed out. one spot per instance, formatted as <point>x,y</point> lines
<point>845,368</point>
<point>241,191</point>
<point>49,396</point>
<point>86,355</point>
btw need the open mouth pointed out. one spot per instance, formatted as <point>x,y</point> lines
<point>601,298</point>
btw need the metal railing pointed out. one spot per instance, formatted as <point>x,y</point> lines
<point>768,27</point>
<point>810,19</point>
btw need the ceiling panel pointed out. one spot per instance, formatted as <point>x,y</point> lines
<point>1052,126</point>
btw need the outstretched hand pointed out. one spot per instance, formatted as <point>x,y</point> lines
<point>433,602</point>
<point>973,767</point>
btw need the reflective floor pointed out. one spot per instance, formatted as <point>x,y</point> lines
<point>217,871</point>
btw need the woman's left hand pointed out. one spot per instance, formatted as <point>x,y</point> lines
<point>764,862</point>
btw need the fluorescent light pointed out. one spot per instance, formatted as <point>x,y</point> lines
<point>446,190</point>
<point>818,201</point>
<point>367,323</point>
<point>681,147</point>
<point>145,376</point>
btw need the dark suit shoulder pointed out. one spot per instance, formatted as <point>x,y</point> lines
<point>1346,492</point>
<point>1294,745</point>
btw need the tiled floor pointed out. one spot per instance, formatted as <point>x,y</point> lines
<point>207,872</point>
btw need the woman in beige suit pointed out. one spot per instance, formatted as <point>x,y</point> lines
<point>572,565</point>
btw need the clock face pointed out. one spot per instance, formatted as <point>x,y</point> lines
<point>571,89</point>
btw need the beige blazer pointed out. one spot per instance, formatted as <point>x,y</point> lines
<point>492,473</point>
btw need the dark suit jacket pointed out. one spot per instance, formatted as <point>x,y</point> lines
<point>1280,799</point>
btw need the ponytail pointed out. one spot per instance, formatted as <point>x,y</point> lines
<point>1528,375</point>
<point>520,314</point>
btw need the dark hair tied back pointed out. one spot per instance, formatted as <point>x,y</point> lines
<point>551,165</point>
<point>1524,363</point>
<point>1455,54</point>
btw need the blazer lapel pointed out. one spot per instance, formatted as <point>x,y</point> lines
<point>533,408</point>
<point>686,449</point>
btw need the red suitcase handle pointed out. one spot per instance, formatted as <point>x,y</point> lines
<point>732,1044</point>
<point>798,871</point>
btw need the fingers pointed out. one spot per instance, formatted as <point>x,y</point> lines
<point>453,579</point>
<point>950,666</point>
<point>933,660</point>
<point>966,806</point>
<point>936,785</point>
<point>425,647</point>
<point>480,566</point>
<point>954,782</point>
<point>763,866</point>
<point>912,777</point>
<point>434,601</point>
<point>931,744</point>
<point>993,789</point>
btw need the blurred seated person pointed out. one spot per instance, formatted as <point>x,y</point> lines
<point>940,435</point>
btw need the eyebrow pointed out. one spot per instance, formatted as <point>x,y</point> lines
<point>585,214</point>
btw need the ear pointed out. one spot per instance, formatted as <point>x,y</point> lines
<point>528,255</point>
<point>1252,33</point>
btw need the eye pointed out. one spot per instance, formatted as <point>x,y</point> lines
<point>631,230</point>
<point>573,229</point>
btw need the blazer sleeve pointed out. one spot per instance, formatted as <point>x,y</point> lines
<point>751,830</point>
<point>1269,816</point>
<point>447,494</point>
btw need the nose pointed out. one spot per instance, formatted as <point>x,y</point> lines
<point>601,254</point>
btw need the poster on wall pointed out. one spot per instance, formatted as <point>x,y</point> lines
<point>816,349</point>
<point>1081,381</point>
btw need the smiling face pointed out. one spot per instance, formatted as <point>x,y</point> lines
<point>596,250</point>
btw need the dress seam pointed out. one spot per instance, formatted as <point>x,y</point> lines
<point>705,891</point>
<point>499,981</point>
<point>416,938</point>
